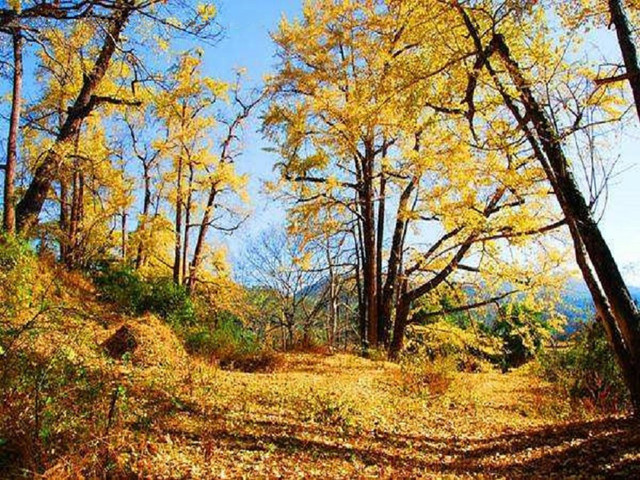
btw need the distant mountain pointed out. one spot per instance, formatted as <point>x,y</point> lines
<point>578,301</point>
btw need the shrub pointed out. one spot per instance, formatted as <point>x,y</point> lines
<point>231,345</point>
<point>468,351</point>
<point>52,384</point>
<point>170,301</point>
<point>522,332</point>
<point>586,371</point>
<point>123,286</point>
<point>135,295</point>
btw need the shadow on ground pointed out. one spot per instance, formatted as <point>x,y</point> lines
<point>608,448</point>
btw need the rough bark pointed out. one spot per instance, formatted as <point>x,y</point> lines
<point>369,248</point>
<point>9,219</point>
<point>627,48</point>
<point>400,325</point>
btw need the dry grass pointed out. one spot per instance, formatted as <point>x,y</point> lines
<point>313,416</point>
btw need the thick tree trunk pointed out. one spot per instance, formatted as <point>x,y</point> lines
<point>630,373</point>
<point>369,254</point>
<point>9,219</point>
<point>627,48</point>
<point>30,206</point>
<point>390,288</point>
<point>403,308</point>
<point>362,316</point>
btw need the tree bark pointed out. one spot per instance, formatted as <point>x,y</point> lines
<point>400,325</point>
<point>9,218</point>
<point>187,226</point>
<point>369,253</point>
<point>146,206</point>
<point>177,271</point>
<point>382,320</point>
<point>627,49</point>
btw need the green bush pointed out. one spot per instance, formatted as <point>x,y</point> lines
<point>522,332</point>
<point>135,295</point>
<point>122,285</point>
<point>585,369</point>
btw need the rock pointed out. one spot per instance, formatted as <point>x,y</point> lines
<point>121,342</point>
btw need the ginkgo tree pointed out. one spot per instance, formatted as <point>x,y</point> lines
<point>107,23</point>
<point>520,75</point>
<point>359,120</point>
<point>201,177</point>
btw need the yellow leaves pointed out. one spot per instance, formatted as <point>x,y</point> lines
<point>217,88</point>
<point>162,44</point>
<point>15,5</point>
<point>206,11</point>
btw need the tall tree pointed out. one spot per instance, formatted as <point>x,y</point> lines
<point>358,120</point>
<point>517,90</point>
<point>9,219</point>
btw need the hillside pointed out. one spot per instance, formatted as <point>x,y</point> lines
<point>160,413</point>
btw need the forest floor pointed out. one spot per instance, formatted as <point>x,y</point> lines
<point>345,417</point>
<point>318,416</point>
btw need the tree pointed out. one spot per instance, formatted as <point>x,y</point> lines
<point>359,122</point>
<point>12,141</point>
<point>185,107</point>
<point>613,303</point>
<point>278,267</point>
<point>110,19</point>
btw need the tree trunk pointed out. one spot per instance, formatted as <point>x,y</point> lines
<point>395,256</point>
<point>64,217</point>
<point>627,49</point>
<point>123,232</point>
<point>400,326</point>
<point>178,227</point>
<point>202,236</point>
<point>187,226</point>
<point>369,254</point>
<point>9,219</point>
<point>146,206</point>
<point>382,319</point>
<point>30,206</point>
<point>362,316</point>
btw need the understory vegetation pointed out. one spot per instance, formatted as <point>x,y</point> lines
<point>71,408</point>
